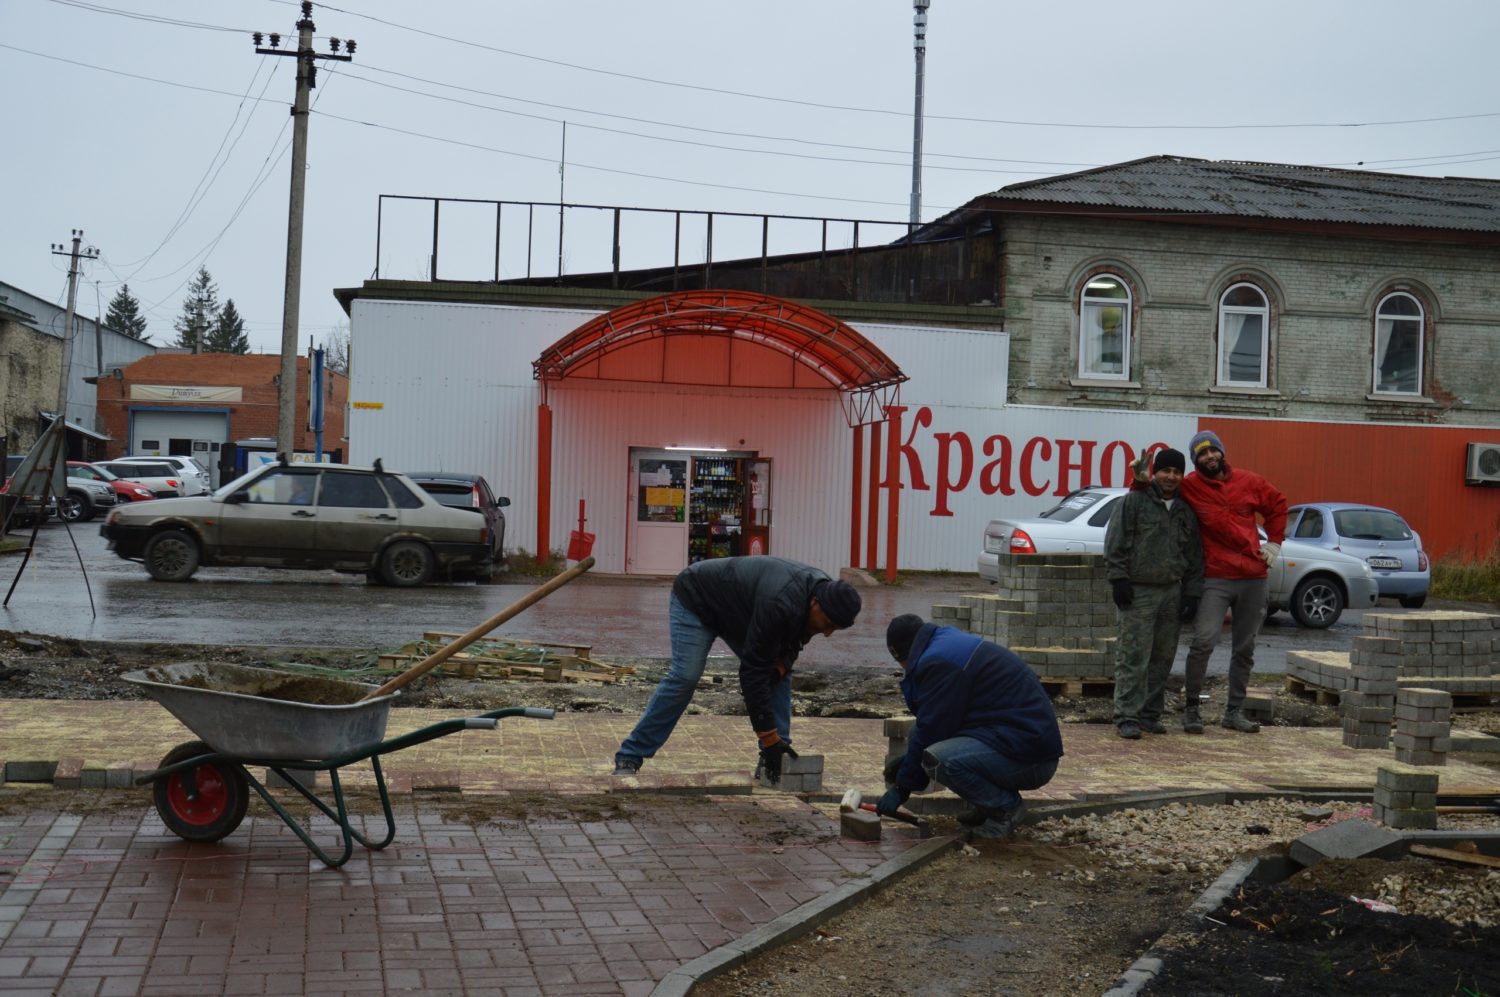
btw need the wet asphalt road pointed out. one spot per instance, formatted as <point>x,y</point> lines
<point>259,606</point>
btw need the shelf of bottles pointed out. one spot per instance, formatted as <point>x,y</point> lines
<point>716,508</point>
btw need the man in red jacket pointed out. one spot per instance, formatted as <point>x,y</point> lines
<point>1228,501</point>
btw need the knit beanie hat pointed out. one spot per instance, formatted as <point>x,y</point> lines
<point>1204,438</point>
<point>840,601</point>
<point>1169,458</point>
<point>900,634</point>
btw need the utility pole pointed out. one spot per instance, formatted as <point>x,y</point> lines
<point>307,79</point>
<point>74,255</point>
<point>919,28</point>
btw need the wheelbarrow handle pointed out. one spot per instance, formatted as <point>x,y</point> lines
<point>534,712</point>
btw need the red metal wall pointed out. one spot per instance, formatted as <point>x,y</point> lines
<point>1416,470</point>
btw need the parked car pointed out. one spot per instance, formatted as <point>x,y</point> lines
<point>334,516</point>
<point>85,499</point>
<point>468,491</point>
<point>31,508</point>
<point>161,478</point>
<point>194,478</point>
<point>125,490</point>
<point>1380,536</point>
<point>1314,583</point>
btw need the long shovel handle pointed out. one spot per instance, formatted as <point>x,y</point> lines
<point>445,652</point>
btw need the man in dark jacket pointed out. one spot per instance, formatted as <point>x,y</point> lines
<point>766,609</point>
<point>1153,558</point>
<point>985,727</point>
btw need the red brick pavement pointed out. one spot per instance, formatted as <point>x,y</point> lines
<point>103,904</point>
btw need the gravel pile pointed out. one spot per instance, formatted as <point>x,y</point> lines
<point>1201,841</point>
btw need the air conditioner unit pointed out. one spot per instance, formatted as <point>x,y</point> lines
<point>1483,465</point>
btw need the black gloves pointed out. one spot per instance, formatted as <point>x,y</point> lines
<point>1124,592</point>
<point>891,801</point>
<point>891,767</point>
<point>1189,609</point>
<point>770,758</point>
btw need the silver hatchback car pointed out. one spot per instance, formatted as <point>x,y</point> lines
<point>1380,536</point>
<point>334,516</point>
<point>1314,583</point>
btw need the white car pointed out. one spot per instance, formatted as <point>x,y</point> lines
<point>1314,583</point>
<point>194,478</point>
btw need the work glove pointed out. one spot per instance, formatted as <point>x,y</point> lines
<point>771,755</point>
<point>1124,592</point>
<point>1189,609</point>
<point>1269,552</point>
<point>891,801</point>
<point>1140,468</point>
<point>891,767</point>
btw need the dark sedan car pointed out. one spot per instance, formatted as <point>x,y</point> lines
<point>468,491</point>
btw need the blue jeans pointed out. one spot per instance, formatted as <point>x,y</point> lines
<point>691,641</point>
<point>983,776</point>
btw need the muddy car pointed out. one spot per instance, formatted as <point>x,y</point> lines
<point>331,516</point>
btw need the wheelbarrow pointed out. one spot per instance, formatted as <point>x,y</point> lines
<point>288,723</point>
<point>256,717</point>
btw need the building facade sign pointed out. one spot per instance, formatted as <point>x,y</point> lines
<point>184,393</point>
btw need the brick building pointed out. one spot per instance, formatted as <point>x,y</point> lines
<point>211,406</point>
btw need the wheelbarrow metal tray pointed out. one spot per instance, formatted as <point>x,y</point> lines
<point>265,714</point>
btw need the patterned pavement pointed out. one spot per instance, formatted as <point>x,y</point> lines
<point>558,898</point>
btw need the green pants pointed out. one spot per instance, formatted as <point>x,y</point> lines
<point>1147,644</point>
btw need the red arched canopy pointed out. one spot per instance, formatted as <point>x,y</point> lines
<point>721,338</point>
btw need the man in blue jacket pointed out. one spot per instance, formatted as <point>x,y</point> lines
<point>766,609</point>
<point>985,726</point>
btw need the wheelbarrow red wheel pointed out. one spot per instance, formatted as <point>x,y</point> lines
<point>205,802</point>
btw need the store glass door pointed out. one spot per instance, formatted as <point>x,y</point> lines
<point>658,524</point>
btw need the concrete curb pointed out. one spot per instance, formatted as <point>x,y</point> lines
<point>798,922</point>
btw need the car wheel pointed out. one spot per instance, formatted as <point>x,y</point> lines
<point>1317,603</point>
<point>1413,601</point>
<point>171,556</point>
<point>75,508</point>
<point>406,563</point>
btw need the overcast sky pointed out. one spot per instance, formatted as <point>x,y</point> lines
<point>155,127</point>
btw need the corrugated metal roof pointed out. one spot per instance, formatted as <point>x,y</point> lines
<point>1272,190</point>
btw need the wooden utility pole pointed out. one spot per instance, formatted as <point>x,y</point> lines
<point>307,79</point>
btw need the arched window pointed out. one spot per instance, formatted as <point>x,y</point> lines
<point>1244,331</point>
<point>1104,329</point>
<point>1398,345</point>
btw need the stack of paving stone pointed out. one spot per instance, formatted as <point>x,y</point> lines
<point>1423,726</point>
<point>897,732</point>
<point>1455,651</point>
<point>1053,610</point>
<point>1405,797</point>
<point>803,774</point>
<point>1369,705</point>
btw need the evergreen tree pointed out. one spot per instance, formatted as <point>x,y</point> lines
<point>125,315</point>
<point>228,334</point>
<point>200,312</point>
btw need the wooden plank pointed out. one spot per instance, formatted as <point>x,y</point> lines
<point>1454,855</point>
<point>444,636</point>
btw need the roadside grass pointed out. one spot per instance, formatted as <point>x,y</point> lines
<point>523,562</point>
<point>1474,581</point>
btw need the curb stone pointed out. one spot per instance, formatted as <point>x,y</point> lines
<point>801,920</point>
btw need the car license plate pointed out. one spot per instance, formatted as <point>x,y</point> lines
<point>1387,563</point>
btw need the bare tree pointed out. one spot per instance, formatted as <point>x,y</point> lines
<point>336,348</point>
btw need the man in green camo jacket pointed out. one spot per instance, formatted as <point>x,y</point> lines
<point>1154,561</point>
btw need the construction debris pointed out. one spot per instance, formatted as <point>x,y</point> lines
<point>507,658</point>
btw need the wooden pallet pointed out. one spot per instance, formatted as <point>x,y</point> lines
<point>523,660</point>
<point>1312,693</point>
<point>1078,686</point>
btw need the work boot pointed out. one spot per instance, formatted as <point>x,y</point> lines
<point>972,817</point>
<point>1153,726</point>
<point>1129,730</point>
<point>1000,823</point>
<point>626,765</point>
<point>1236,720</point>
<point>1192,723</point>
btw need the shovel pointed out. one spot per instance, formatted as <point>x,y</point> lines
<point>447,651</point>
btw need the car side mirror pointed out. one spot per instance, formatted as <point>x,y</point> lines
<point>502,502</point>
<point>234,498</point>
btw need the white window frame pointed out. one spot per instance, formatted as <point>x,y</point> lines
<point>1226,313</point>
<point>1087,306</point>
<point>1377,353</point>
